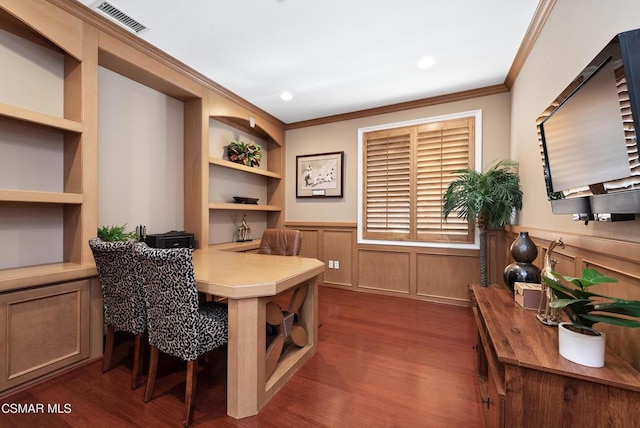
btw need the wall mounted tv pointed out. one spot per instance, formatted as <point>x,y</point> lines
<point>588,137</point>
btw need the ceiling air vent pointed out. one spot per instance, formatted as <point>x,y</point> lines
<point>120,17</point>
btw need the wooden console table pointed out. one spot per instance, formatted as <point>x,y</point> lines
<point>524,382</point>
<point>250,281</point>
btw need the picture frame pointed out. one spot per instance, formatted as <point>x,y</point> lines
<point>320,175</point>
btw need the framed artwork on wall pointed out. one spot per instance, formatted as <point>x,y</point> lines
<point>319,175</point>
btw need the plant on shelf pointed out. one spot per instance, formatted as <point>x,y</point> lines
<point>585,308</point>
<point>578,341</point>
<point>244,153</point>
<point>488,199</point>
<point>115,233</point>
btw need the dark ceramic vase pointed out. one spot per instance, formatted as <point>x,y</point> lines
<point>524,251</point>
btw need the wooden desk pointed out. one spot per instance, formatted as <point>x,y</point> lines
<point>250,281</point>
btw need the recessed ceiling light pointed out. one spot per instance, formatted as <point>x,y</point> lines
<point>286,96</point>
<point>425,62</point>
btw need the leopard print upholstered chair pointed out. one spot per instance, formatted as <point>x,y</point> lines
<point>177,324</point>
<point>280,242</point>
<point>122,294</point>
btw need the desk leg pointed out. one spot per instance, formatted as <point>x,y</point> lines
<point>246,348</point>
<point>247,387</point>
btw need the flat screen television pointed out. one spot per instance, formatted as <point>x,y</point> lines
<point>588,137</point>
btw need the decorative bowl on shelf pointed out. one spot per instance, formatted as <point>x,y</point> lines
<point>243,200</point>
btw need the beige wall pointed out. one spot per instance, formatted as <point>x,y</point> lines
<point>574,33</point>
<point>343,136</point>
<point>140,152</point>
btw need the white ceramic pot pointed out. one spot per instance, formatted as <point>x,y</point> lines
<point>581,348</point>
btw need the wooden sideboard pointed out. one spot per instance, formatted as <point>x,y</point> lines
<point>524,382</point>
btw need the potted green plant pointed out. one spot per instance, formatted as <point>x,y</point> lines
<point>488,199</point>
<point>115,233</point>
<point>578,340</point>
<point>244,153</point>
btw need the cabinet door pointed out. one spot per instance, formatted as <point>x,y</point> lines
<point>47,328</point>
<point>494,404</point>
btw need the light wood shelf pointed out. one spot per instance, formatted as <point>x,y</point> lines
<point>40,197</point>
<point>243,207</point>
<point>32,276</point>
<point>227,164</point>
<point>237,246</point>
<point>33,117</point>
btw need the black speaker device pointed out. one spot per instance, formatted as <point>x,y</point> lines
<point>172,239</point>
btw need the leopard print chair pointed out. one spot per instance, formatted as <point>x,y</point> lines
<point>122,294</point>
<point>177,324</point>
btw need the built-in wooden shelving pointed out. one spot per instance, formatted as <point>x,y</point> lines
<point>239,167</point>
<point>33,117</point>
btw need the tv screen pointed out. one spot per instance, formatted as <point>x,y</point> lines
<point>588,138</point>
<point>584,136</point>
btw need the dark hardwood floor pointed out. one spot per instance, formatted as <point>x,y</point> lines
<point>382,362</point>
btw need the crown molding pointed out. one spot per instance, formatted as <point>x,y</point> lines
<point>531,36</point>
<point>425,102</point>
<point>105,25</point>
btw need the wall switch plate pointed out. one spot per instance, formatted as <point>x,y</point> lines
<point>336,264</point>
<point>330,264</point>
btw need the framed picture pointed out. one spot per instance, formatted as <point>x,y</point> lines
<point>319,176</point>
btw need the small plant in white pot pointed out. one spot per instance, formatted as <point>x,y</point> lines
<point>577,338</point>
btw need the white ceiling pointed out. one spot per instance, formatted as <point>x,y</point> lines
<point>337,56</point>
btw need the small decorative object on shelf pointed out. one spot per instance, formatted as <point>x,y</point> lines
<point>244,153</point>
<point>546,313</point>
<point>243,232</point>
<point>524,252</point>
<point>244,200</point>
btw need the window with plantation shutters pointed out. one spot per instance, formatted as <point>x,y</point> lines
<point>406,170</point>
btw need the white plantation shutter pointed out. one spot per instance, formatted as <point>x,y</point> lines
<point>406,171</point>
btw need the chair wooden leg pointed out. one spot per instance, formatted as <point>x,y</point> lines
<point>108,349</point>
<point>153,370</point>
<point>190,393</point>
<point>138,358</point>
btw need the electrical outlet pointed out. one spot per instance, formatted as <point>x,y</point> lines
<point>336,264</point>
<point>330,264</point>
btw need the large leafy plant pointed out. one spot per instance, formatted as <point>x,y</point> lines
<point>487,199</point>
<point>585,308</point>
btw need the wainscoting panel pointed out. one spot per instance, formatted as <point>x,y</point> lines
<point>309,246</point>
<point>46,328</point>
<point>434,274</point>
<point>337,248</point>
<point>384,271</point>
